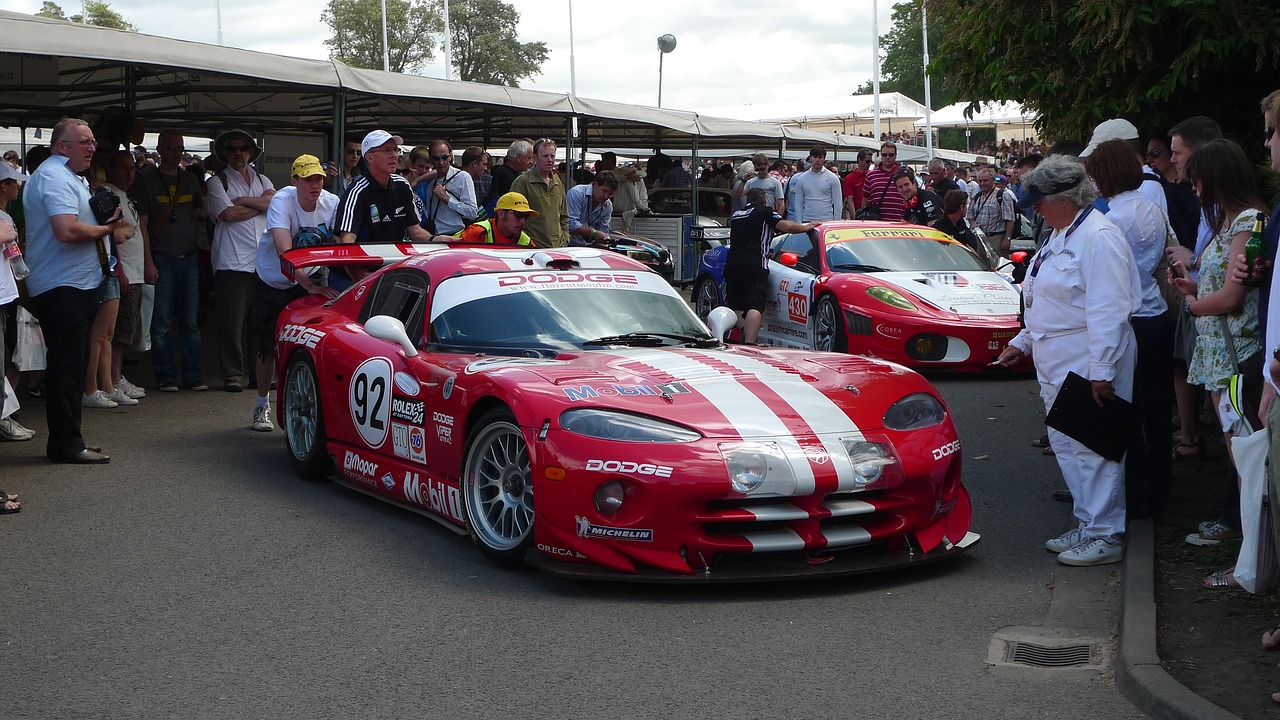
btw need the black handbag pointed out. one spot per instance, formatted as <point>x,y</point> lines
<point>872,212</point>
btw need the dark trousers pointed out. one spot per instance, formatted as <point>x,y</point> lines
<point>65,315</point>
<point>233,291</point>
<point>1148,465</point>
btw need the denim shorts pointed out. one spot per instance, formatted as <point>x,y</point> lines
<point>109,290</point>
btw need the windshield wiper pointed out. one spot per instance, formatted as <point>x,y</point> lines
<point>652,339</point>
<point>858,267</point>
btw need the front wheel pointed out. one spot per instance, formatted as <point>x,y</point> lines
<point>828,330</point>
<point>304,420</point>
<point>498,489</point>
<point>706,297</point>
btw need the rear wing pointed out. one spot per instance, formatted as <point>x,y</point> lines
<point>373,255</point>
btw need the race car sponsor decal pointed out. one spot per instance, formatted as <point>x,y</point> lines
<point>360,291</point>
<point>818,455</point>
<point>417,444</point>
<point>462,289</point>
<point>409,442</point>
<point>434,495</point>
<point>788,331</point>
<point>300,335</point>
<point>388,481</point>
<point>587,529</point>
<point>444,427</point>
<point>948,449</point>
<point>948,278</point>
<point>400,439</point>
<point>499,363</point>
<point>976,295</point>
<point>406,383</point>
<point>406,410</point>
<point>1006,335</point>
<point>626,466</point>
<point>357,468</point>
<point>369,400</point>
<point>834,236</point>
<point>889,331</point>
<point>447,390</point>
<point>592,392</point>
<point>798,308</point>
<point>562,552</point>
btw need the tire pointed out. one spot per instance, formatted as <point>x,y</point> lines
<point>498,489</point>
<point>304,421</point>
<point>706,297</point>
<point>828,326</point>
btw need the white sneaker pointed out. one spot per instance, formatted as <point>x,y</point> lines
<point>262,419</point>
<point>1093,552</point>
<point>11,429</point>
<point>120,397</point>
<point>130,389</point>
<point>98,399</point>
<point>1065,541</point>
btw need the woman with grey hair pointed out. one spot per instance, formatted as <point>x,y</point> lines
<point>1079,293</point>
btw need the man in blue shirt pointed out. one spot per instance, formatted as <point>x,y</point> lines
<point>591,208</point>
<point>67,257</point>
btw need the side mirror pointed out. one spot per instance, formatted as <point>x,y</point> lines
<point>789,259</point>
<point>721,320</point>
<point>385,327</point>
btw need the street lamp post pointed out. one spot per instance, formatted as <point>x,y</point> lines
<point>666,44</point>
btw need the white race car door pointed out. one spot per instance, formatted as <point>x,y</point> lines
<point>786,316</point>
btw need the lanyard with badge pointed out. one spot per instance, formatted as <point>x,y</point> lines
<point>1028,292</point>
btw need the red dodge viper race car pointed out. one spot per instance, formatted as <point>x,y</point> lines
<point>566,408</point>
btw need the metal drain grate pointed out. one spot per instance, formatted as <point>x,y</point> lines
<point>1049,657</point>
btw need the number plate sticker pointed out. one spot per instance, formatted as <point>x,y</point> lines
<point>370,400</point>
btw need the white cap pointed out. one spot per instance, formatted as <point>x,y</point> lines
<point>1115,129</point>
<point>377,139</point>
<point>9,172</point>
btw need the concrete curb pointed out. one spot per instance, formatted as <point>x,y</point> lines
<point>1139,674</point>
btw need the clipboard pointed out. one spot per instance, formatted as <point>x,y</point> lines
<point>1106,430</point>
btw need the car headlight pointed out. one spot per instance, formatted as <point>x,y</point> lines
<point>889,296</point>
<point>869,459</point>
<point>917,410</point>
<point>624,426</point>
<point>758,467</point>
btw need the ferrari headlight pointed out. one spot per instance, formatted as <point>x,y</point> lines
<point>624,426</point>
<point>917,410</point>
<point>869,459</point>
<point>889,296</point>
<point>758,467</point>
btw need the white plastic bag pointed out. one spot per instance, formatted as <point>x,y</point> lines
<point>10,400</point>
<point>142,339</point>
<point>1256,566</point>
<point>28,352</point>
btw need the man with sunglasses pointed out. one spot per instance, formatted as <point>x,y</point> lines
<point>449,198</point>
<point>66,254</point>
<point>350,159</point>
<point>878,190</point>
<point>237,200</point>
<point>168,201</point>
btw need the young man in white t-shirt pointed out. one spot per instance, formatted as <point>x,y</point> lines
<point>299,216</point>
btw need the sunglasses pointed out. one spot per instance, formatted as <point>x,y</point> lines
<point>888,154</point>
<point>440,158</point>
<point>1154,153</point>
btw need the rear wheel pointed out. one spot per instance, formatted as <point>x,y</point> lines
<point>706,297</point>
<point>828,330</point>
<point>498,489</point>
<point>304,420</point>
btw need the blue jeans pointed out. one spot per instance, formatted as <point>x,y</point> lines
<point>177,295</point>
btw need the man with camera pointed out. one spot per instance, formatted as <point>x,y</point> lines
<point>66,252</point>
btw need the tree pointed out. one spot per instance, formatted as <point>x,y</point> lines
<point>901,64</point>
<point>485,46</point>
<point>100,14</point>
<point>1077,63</point>
<point>356,27</point>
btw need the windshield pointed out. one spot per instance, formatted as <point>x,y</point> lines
<point>560,311</point>
<point>900,254</point>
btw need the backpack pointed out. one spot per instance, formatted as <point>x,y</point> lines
<point>1184,211</point>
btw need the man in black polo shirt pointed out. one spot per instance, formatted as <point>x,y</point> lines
<point>746,269</point>
<point>919,206</point>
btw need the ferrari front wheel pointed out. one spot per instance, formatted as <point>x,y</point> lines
<point>304,420</point>
<point>498,489</point>
<point>706,297</point>
<point>828,326</point>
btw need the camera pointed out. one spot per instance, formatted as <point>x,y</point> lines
<point>104,205</point>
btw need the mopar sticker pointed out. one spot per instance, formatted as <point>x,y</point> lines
<point>588,392</point>
<point>588,530</point>
<point>410,411</point>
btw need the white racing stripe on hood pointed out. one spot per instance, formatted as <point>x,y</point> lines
<point>748,414</point>
<point>826,418</point>
<point>584,257</point>
<point>966,292</point>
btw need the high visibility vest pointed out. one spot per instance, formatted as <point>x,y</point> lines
<point>487,225</point>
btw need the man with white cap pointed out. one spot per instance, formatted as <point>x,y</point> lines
<point>1121,129</point>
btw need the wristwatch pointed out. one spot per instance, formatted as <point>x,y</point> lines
<point>1194,261</point>
<point>1275,354</point>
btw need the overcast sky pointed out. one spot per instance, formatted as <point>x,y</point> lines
<point>729,52</point>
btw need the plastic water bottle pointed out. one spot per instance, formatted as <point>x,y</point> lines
<point>13,254</point>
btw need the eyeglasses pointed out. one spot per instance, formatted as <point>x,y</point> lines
<point>238,148</point>
<point>174,148</point>
<point>83,143</point>
<point>1154,153</point>
<point>440,158</point>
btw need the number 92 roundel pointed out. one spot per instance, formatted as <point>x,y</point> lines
<point>369,400</point>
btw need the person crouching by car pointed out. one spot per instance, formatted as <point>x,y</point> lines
<point>919,206</point>
<point>511,214</point>
<point>746,269</point>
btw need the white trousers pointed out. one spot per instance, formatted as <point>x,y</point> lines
<point>1096,484</point>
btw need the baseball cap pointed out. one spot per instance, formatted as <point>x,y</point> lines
<point>307,166</point>
<point>377,139</point>
<point>515,201</point>
<point>9,172</point>
<point>1114,129</point>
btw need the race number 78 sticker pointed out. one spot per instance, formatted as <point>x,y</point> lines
<point>370,401</point>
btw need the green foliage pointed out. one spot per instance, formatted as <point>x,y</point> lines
<point>902,56</point>
<point>1078,62</point>
<point>100,14</point>
<point>485,45</point>
<point>356,33</point>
